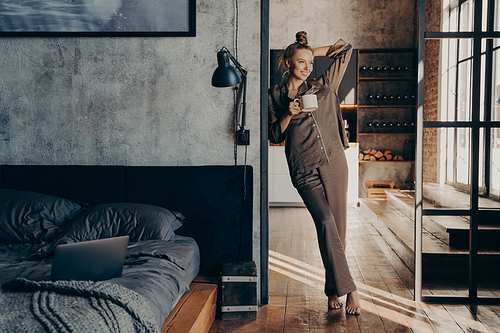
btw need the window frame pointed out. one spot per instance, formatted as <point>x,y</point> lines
<point>477,127</point>
<point>454,19</point>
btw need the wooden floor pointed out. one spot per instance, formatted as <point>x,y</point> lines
<point>296,278</point>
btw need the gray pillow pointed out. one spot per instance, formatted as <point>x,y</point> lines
<point>138,221</point>
<point>29,217</point>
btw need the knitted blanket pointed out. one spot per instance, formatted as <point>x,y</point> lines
<point>73,306</point>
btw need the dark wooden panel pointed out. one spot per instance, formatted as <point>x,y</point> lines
<point>211,198</point>
<point>86,184</point>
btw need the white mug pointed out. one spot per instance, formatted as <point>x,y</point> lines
<point>308,102</point>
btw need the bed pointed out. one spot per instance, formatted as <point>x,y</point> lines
<point>177,218</point>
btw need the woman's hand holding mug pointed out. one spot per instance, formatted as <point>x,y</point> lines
<point>294,108</point>
<point>305,103</point>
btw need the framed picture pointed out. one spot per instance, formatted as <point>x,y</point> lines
<point>107,18</point>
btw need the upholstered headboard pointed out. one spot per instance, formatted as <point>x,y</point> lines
<point>210,197</point>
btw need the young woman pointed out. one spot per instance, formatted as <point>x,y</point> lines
<point>314,147</point>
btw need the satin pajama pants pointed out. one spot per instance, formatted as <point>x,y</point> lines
<point>324,192</point>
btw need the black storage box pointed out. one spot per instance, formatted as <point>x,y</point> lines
<point>239,291</point>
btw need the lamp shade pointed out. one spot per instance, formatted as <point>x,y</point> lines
<point>225,75</point>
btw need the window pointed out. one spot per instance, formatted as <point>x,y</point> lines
<point>456,92</point>
<point>469,145</point>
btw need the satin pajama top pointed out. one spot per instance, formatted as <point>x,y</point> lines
<point>312,139</point>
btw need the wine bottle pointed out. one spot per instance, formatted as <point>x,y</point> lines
<point>376,124</point>
<point>390,124</point>
<point>363,68</point>
<point>383,124</point>
<point>370,96</point>
<point>369,124</point>
<point>370,68</point>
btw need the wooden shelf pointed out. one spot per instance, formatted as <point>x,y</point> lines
<point>391,106</point>
<point>411,133</point>
<point>387,106</point>
<point>382,50</point>
<point>386,78</point>
<point>384,161</point>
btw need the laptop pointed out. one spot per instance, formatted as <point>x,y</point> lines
<point>94,260</point>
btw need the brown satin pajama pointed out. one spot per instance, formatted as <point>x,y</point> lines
<point>314,148</point>
<point>324,191</point>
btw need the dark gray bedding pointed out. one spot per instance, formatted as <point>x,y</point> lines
<point>159,265</point>
<point>73,306</point>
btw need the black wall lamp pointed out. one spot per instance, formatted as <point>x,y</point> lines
<point>226,76</point>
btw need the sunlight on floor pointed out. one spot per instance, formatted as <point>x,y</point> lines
<point>387,305</point>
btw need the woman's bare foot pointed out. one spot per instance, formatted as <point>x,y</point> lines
<point>352,304</point>
<point>334,302</point>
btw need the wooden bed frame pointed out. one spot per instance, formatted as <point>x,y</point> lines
<point>195,311</point>
<point>218,214</point>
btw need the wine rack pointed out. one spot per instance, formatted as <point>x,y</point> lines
<point>385,116</point>
<point>388,63</point>
<point>386,98</point>
<point>385,92</point>
<point>390,121</point>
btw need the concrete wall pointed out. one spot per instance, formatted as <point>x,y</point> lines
<point>363,23</point>
<point>131,101</point>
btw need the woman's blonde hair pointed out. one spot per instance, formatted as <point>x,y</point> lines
<point>299,44</point>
